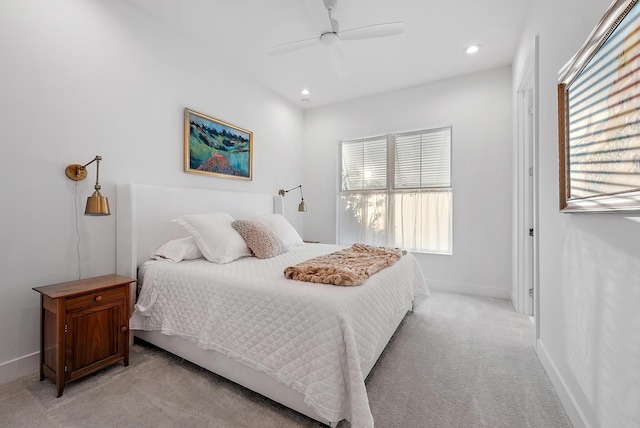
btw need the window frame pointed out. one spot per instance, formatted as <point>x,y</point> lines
<point>390,189</point>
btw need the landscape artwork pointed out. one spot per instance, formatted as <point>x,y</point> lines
<point>213,147</point>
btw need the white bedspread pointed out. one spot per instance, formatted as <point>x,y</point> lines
<point>311,337</point>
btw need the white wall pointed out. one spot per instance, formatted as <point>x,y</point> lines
<point>589,263</point>
<point>479,109</point>
<point>86,77</point>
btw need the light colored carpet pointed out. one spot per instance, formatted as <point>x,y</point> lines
<point>459,361</point>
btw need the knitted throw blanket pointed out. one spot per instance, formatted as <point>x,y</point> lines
<point>350,266</point>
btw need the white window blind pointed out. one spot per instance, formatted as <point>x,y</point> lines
<point>396,191</point>
<point>423,159</point>
<point>603,103</point>
<point>364,164</point>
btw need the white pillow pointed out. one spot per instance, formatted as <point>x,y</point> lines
<point>178,250</point>
<point>215,237</point>
<point>282,228</point>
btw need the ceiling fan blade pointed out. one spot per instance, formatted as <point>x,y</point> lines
<point>338,60</point>
<point>293,46</point>
<point>319,15</point>
<point>373,31</point>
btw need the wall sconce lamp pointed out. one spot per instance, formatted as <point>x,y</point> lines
<point>97,204</point>
<point>302,207</point>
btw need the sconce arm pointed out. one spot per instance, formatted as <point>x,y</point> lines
<point>77,172</point>
<point>282,192</point>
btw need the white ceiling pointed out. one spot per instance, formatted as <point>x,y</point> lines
<point>431,47</point>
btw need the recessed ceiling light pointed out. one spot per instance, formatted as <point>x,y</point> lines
<point>305,91</point>
<point>472,49</point>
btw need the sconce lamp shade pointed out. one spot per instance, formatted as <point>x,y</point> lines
<point>302,207</point>
<point>97,205</point>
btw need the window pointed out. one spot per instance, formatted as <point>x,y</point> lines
<point>396,191</point>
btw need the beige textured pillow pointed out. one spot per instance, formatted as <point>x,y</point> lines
<point>259,238</point>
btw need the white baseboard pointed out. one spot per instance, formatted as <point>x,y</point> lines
<point>574,412</point>
<point>473,289</point>
<point>12,370</point>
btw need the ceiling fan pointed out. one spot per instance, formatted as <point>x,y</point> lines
<point>331,36</point>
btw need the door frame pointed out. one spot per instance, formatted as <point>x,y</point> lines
<point>526,198</point>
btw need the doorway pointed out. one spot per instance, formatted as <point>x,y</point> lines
<point>526,291</point>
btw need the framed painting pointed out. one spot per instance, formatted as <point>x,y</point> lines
<point>216,148</point>
<point>599,117</point>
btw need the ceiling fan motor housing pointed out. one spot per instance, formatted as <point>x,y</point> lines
<point>329,39</point>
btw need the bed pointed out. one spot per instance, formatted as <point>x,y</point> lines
<point>307,346</point>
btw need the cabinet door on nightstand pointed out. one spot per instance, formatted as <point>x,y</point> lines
<point>93,338</point>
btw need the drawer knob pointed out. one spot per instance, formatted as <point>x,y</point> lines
<point>98,298</point>
<point>123,328</point>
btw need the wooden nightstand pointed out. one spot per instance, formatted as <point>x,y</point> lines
<point>84,327</point>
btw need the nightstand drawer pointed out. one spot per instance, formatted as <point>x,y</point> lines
<point>96,298</point>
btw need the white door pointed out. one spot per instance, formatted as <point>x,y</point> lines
<point>529,204</point>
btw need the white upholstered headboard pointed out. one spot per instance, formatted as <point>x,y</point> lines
<point>144,214</point>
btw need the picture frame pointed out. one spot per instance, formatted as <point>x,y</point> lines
<point>599,117</point>
<point>216,148</point>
